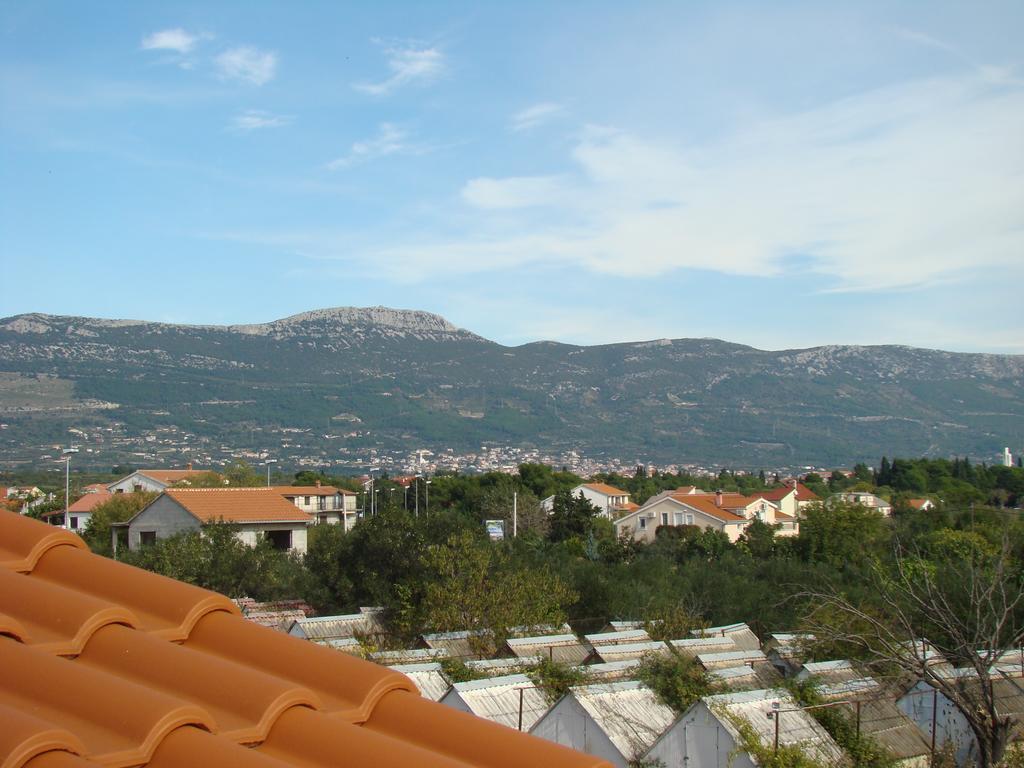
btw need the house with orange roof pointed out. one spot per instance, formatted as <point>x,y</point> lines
<point>729,513</point>
<point>80,513</point>
<point>153,480</point>
<point>791,499</point>
<point>609,500</point>
<point>921,505</point>
<point>254,514</point>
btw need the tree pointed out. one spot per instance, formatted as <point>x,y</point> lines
<point>571,516</point>
<point>759,539</point>
<point>117,509</point>
<point>473,586</point>
<point>678,681</point>
<point>841,534</point>
<point>970,609</point>
<point>240,474</point>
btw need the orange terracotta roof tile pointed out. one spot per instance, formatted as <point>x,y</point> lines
<point>607,490</point>
<point>105,664</point>
<point>237,505</point>
<point>172,475</point>
<point>706,504</point>
<point>90,500</point>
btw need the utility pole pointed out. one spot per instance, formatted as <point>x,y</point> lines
<point>515,514</point>
<point>67,484</point>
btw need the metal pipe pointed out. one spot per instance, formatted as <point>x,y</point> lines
<point>935,712</point>
<point>521,708</point>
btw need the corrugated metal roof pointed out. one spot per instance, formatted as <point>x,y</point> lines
<point>616,638</point>
<point>630,650</point>
<point>568,649</point>
<point>796,727</point>
<point>611,670</point>
<point>429,679</point>
<point>408,656</point>
<point>748,677</point>
<point>498,699</point>
<point>628,712</point>
<point>618,626</point>
<point>825,672</point>
<point>366,622</point>
<point>691,646</point>
<point>740,633</point>
<point>507,666</point>
<point>729,659</point>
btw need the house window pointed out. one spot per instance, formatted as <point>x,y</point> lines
<point>664,518</point>
<point>280,539</point>
<point>74,523</point>
<point>307,501</point>
<point>643,523</point>
<point>678,516</point>
<point>689,519</point>
<point>147,538</point>
<point>136,488</point>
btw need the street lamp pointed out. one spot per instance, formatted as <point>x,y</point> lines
<point>268,462</point>
<point>67,483</point>
<point>417,479</point>
<point>427,481</point>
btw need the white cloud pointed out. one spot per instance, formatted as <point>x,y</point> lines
<point>255,119</point>
<point>248,64</point>
<point>408,65</point>
<point>389,140</point>
<point>534,116</point>
<point>900,187</point>
<point>175,39</point>
<point>521,192</point>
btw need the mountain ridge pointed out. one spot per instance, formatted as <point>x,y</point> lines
<point>408,378</point>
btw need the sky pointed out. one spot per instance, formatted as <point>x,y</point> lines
<point>784,174</point>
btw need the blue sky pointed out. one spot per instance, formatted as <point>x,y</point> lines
<point>777,174</point>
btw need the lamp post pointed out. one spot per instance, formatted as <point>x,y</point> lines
<point>405,505</point>
<point>268,462</point>
<point>427,481</point>
<point>417,494</point>
<point>67,452</point>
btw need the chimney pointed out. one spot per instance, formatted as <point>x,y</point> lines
<point>795,481</point>
<point>718,498</point>
<point>317,483</point>
<point>189,466</point>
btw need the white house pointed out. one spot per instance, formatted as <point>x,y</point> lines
<point>617,722</point>
<point>324,503</point>
<point>707,735</point>
<point>80,512</point>
<point>791,499</point>
<point>865,499</point>
<point>253,513</point>
<point>512,700</point>
<point>153,480</point>
<point>730,513</point>
<point>609,500</point>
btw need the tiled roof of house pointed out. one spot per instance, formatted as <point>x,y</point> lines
<point>90,500</point>
<point>171,476</point>
<point>607,490</point>
<point>918,503</point>
<point>803,493</point>
<point>706,503</point>
<point>237,505</point>
<point>109,665</point>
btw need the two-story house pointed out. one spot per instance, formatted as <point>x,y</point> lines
<point>729,513</point>
<point>609,500</point>
<point>791,499</point>
<point>865,499</point>
<point>324,503</point>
